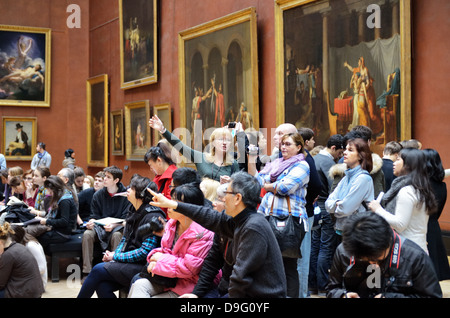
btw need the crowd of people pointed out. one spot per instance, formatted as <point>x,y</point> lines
<point>304,219</point>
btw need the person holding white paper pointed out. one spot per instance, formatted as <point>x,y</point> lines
<point>105,204</point>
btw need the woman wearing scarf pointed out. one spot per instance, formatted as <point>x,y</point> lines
<point>355,188</point>
<point>410,200</point>
<point>287,176</point>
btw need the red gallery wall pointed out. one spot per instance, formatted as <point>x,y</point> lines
<point>93,49</point>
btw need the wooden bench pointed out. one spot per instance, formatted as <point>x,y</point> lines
<point>71,248</point>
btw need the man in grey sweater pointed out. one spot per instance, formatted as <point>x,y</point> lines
<point>258,270</point>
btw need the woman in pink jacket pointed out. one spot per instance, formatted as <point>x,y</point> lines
<point>184,246</point>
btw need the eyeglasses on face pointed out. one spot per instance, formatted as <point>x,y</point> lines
<point>230,192</point>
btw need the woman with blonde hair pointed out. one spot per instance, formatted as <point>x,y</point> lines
<point>216,163</point>
<point>209,188</point>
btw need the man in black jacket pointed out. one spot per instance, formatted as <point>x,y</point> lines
<point>105,203</point>
<point>258,270</point>
<point>374,262</point>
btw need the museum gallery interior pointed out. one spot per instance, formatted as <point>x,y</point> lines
<point>87,75</point>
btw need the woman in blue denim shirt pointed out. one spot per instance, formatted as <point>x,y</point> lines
<point>287,176</point>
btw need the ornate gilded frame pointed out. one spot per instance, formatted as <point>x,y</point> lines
<point>282,6</point>
<point>137,131</point>
<point>146,15</point>
<point>35,50</point>
<point>10,132</point>
<point>97,121</point>
<point>237,29</point>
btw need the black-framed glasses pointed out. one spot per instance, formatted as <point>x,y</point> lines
<point>230,192</point>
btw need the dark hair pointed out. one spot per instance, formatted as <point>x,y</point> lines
<point>435,169</point>
<point>366,235</point>
<point>58,187</point>
<point>42,145</point>
<point>249,188</point>
<point>365,155</point>
<point>115,171</point>
<point>392,148</point>
<point>415,166</point>
<point>68,153</point>
<point>140,185</point>
<point>44,171</point>
<point>15,181</point>
<point>188,193</point>
<point>186,175</point>
<point>306,133</point>
<point>337,141</point>
<point>157,152</point>
<point>78,172</point>
<point>364,131</point>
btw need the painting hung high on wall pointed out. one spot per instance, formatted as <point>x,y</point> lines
<point>219,73</point>
<point>25,66</point>
<point>19,138</point>
<point>137,131</point>
<point>343,64</point>
<point>138,43</point>
<point>117,133</point>
<point>97,121</point>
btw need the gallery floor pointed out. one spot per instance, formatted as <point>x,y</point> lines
<point>66,288</point>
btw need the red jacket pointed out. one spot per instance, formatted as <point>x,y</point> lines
<point>165,179</point>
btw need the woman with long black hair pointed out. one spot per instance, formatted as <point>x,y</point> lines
<point>410,200</point>
<point>436,247</point>
<point>62,216</point>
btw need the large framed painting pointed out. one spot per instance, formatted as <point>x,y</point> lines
<point>138,42</point>
<point>19,138</point>
<point>164,112</point>
<point>25,61</point>
<point>344,63</point>
<point>137,131</point>
<point>97,121</point>
<point>117,133</point>
<point>218,73</point>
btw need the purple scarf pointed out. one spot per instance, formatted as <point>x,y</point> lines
<point>276,167</point>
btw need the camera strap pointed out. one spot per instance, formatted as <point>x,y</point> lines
<point>394,260</point>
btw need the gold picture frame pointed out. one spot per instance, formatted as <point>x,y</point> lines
<point>138,43</point>
<point>25,53</point>
<point>341,28</point>
<point>137,131</point>
<point>164,112</point>
<point>97,121</point>
<point>19,138</point>
<point>117,133</point>
<point>223,52</point>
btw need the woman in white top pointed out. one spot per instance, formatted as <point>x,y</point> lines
<point>410,200</point>
<point>20,236</point>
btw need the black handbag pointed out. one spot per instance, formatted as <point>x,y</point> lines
<point>289,231</point>
<point>168,282</point>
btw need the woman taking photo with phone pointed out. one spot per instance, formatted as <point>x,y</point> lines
<point>216,163</point>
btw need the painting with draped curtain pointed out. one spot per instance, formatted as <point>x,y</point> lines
<point>342,66</point>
